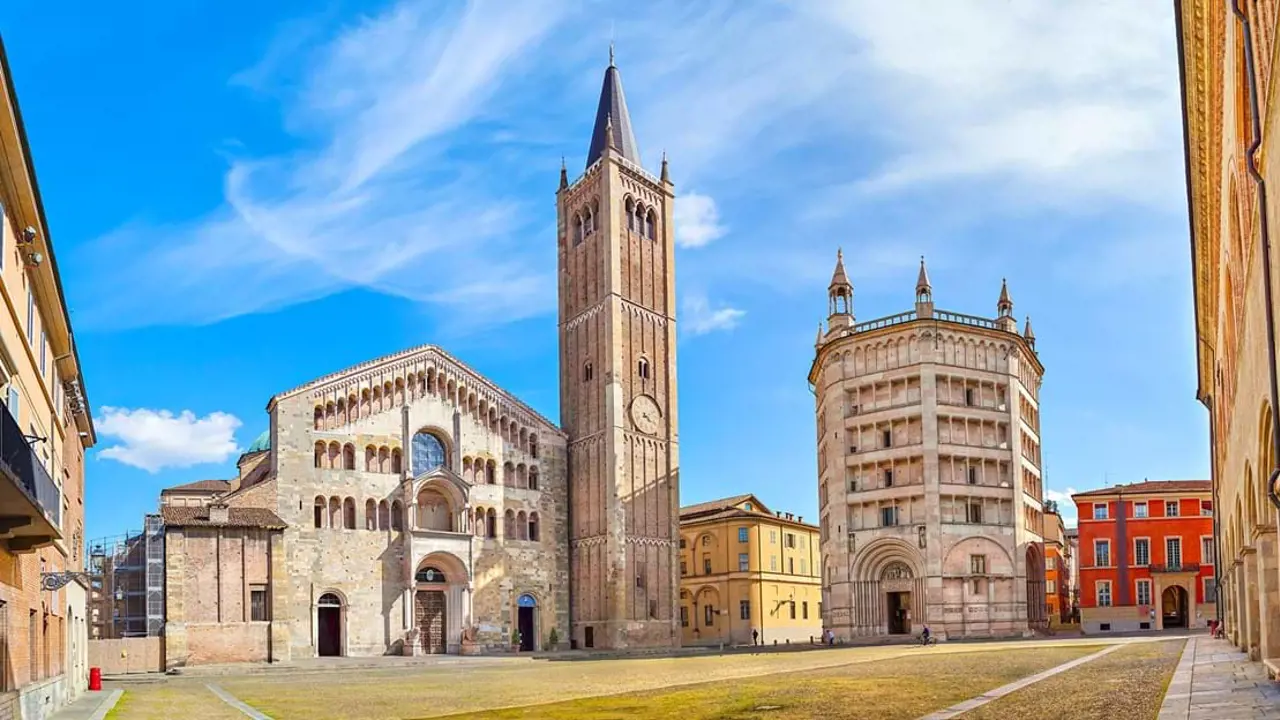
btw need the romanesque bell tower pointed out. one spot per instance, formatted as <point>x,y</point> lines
<point>618,388</point>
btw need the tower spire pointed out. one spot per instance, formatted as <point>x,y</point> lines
<point>1030,336</point>
<point>923,288</point>
<point>840,291</point>
<point>564,175</point>
<point>666,177</point>
<point>1004,306</point>
<point>613,122</point>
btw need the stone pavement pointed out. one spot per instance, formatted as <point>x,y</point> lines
<point>1215,681</point>
<point>89,706</point>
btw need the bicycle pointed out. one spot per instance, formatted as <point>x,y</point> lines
<point>927,640</point>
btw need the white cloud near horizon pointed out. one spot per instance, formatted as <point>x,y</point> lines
<point>1066,506</point>
<point>155,440</point>
<point>697,221</point>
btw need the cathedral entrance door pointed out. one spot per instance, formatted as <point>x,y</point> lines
<point>899,613</point>
<point>329,626</point>
<point>430,616</point>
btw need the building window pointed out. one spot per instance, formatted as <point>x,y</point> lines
<point>642,368</point>
<point>978,564</point>
<point>1142,552</point>
<point>1144,592</point>
<point>887,436</point>
<point>1173,552</point>
<point>1140,509</point>
<point>1051,563</point>
<point>973,512</point>
<point>31,317</point>
<point>791,566</point>
<point>13,401</point>
<point>1206,508</point>
<point>804,610</point>
<point>258,603</point>
<point>804,567</point>
<point>1099,511</point>
<point>792,605</point>
<point>1210,590</point>
<point>889,516</point>
<point>1051,586</point>
<point>1171,508</point>
<point>1104,593</point>
<point>742,534</point>
<point>708,616</point>
<point>706,565</point>
<point>888,478</point>
<point>587,372</point>
<point>706,540</point>
<point>1102,553</point>
<point>968,397</point>
<point>743,562</point>
<point>428,452</point>
<point>773,563</point>
<point>682,543</point>
<point>44,352</point>
<point>973,475</point>
<point>773,537</point>
<point>684,616</point>
<point>1206,551</point>
<point>790,540</point>
<point>744,609</point>
<point>684,568</point>
<point>746,506</point>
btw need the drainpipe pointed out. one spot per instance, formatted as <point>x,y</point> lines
<point>1265,234</point>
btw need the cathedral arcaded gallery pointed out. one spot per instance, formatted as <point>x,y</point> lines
<point>409,505</point>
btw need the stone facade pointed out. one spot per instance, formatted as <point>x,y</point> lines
<point>618,388</point>
<point>930,491</point>
<point>1223,56</point>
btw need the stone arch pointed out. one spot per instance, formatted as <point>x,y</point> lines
<point>397,516</point>
<point>319,418</point>
<point>384,515</point>
<point>335,512</point>
<point>509,525</point>
<point>435,507</point>
<point>348,457</point>
<point>366,403</point>
<point>321,507</point>
<point>398,398</point>
<point>455,571</point>
<point>956,561</point>
<point>871,562</point>
<point>522,525</point>
<point>370,515</point>
<point>384,459</point>
<point>432,448</point>
<point>535,530</point>
<point>320,452</point>
<point>491,524</point>
<point>342,411</point>
<point>349,513</point>
<point>1266,458</point>
<point>334,457</point>
<point>706,539</point>
<point>370,458</point>
<point>1250,497</point>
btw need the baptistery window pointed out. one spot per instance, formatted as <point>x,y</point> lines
<point>428,452</point>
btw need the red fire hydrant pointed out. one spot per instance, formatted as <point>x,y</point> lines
<point>95,679</point>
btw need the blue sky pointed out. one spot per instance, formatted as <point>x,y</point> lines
<point>247,195</point>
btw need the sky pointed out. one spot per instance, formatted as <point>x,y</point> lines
<point>244,196</point>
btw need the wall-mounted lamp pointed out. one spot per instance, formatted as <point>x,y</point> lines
<point>28,236</point>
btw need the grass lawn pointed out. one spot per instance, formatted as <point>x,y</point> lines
<point>1128,683</point>
<point>906,687</point>
<point>882,683</point>
<point>169,700</point>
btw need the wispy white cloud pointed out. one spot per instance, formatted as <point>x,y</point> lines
<point>154,440</point>
<point>698,317</point>
<point>378,203</point>
<point>1066,506</point>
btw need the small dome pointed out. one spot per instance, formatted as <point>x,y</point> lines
<point>261,443</point>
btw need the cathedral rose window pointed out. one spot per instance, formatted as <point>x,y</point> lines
<point>428,453</point>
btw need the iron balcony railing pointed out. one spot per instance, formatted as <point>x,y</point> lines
<point>24,466</point>
<point>1176,568</point>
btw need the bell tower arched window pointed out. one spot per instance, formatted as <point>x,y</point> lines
<point>642,368</point>
<point>651,220</point>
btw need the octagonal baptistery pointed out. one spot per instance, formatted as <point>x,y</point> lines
<point>929,482</point>
<point>425,509</point>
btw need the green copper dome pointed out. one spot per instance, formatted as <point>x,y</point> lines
<point>263,442</point>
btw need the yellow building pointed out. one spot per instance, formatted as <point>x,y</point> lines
<point>745,568</point>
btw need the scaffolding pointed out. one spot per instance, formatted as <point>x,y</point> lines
<point>126,587</point>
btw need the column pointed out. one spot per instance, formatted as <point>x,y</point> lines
<point>1253,632</point>
<point>1269,594</point>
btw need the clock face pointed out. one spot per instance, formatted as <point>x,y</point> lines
<point>646,415</point>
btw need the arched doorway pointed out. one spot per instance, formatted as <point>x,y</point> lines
<point>1037,607</point>
<point>897,583</point>
<point>430,610</point>
<point>329,625</point>
<point>526,621</point>
<point>1173,607</point>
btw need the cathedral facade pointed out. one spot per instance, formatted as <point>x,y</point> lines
<point>409,505</point>
<point>930,494</point>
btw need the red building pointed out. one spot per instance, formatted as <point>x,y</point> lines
<point>1146,556</point>
<point>1057,565</point>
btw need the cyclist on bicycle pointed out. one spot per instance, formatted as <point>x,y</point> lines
<point>925,635</point>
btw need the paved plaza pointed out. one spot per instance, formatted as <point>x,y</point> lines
<point>1049,678</point>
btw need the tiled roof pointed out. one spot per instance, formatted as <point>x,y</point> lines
<point>200,486</point>
<point>236,517</point>
<point>1152,487</point>
<point>714,505</point>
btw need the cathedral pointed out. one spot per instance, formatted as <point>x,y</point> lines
<point>409,505</point>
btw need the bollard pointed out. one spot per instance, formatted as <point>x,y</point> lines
<point>95,679</point>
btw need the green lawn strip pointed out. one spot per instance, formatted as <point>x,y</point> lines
<point>1129,683</point>
<point>905,687</point>
<point>166,701</point>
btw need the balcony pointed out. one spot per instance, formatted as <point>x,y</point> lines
<point>30,502</point>
<point>1176,568</point>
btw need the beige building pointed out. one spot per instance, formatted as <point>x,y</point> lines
<point>1227,63</point>
<point>45,426</point>
<point>929,485</point>
<point>744,569</point>
<point>410,505</point>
